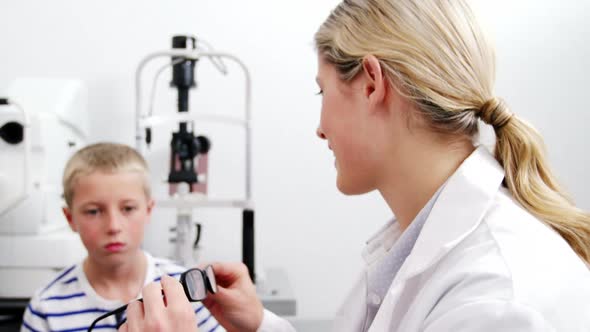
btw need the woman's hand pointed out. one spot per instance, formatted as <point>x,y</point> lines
<point>173,312</point>
<point>235,306</point>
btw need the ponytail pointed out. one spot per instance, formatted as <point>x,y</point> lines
<point>520,150</point>
<point>447,66</point>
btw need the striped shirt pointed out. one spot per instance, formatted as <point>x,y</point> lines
<point>69,303</point>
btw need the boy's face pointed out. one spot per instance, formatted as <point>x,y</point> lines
<point>110,211</point>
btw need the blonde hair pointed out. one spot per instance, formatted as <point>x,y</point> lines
<point>434,52</point>
<point>104,157</point>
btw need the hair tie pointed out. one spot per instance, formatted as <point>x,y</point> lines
<point>495,113</point>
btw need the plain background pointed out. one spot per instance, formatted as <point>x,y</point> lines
<point>303,224</point>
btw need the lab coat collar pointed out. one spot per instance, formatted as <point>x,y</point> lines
<point>391,233</point>
<point>457,212</point>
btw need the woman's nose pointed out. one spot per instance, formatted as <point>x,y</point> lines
<point>320,133</point>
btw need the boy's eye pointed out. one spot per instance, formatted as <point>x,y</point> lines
<point>91,212</point>
<point>129,208</point>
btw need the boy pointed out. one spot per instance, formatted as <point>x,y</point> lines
<point>108,202</point>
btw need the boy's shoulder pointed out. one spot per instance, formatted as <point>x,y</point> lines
<point>64,282</point>
<point>167,266</point>
<point>52,300</point>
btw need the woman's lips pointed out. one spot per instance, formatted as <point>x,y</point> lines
<point>115,247</point>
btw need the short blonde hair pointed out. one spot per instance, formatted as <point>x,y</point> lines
<point>104,157</point>
<point>435,52</point>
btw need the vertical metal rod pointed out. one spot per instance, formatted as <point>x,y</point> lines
<point>248,241</point>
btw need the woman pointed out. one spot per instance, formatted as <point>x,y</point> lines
<point>481,242</point>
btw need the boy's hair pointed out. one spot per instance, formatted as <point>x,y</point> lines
<point>104,157</point>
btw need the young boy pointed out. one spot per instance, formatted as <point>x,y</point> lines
<point>107,193</point>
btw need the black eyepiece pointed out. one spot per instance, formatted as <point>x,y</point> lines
<point>12,132</point>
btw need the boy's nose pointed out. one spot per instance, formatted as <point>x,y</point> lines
<point>114,222</point>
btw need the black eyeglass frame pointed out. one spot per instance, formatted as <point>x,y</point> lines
<point>208,277</point>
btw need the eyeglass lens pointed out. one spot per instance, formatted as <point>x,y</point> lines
<point>195,285</point>
<point>211,279</point>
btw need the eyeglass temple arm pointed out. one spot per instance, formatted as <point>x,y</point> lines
<point>114,312</point>
<point>110,313</point>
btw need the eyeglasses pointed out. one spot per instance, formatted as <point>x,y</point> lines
<point>195,282</point>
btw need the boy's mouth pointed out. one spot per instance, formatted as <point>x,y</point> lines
<point>115,246</point>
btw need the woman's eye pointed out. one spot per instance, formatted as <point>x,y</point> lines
<point>321,92</point>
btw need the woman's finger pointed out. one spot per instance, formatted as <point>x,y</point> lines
<point>123,328</point>
<point>227,274</point>
<point>153,302</point>
<point>175,298</point>
<point>135,317</point>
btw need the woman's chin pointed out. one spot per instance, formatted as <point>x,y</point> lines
<point>348,188</point>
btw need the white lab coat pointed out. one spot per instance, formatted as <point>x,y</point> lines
<point>481,263</point>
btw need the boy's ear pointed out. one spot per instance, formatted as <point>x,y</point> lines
<point>150,206</point>
<point>68,215</point>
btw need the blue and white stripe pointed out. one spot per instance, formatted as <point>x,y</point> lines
<point>69,304</point>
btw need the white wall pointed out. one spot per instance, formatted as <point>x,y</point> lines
<point>304,225</point>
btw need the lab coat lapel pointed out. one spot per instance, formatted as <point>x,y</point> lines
<point>459,209</point>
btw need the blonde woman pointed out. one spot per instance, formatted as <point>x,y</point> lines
<point>480,241</point>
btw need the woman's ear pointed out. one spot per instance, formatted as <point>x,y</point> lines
<point>375,87</point>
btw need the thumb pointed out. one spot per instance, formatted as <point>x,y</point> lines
<point>222,296</point>
<point>123,328</point>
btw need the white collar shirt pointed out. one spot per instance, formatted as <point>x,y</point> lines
<point>385,253</point>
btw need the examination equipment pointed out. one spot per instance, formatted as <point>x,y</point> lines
<point>42,122</point>
<point>272,285</point>
<point>188,157</point>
